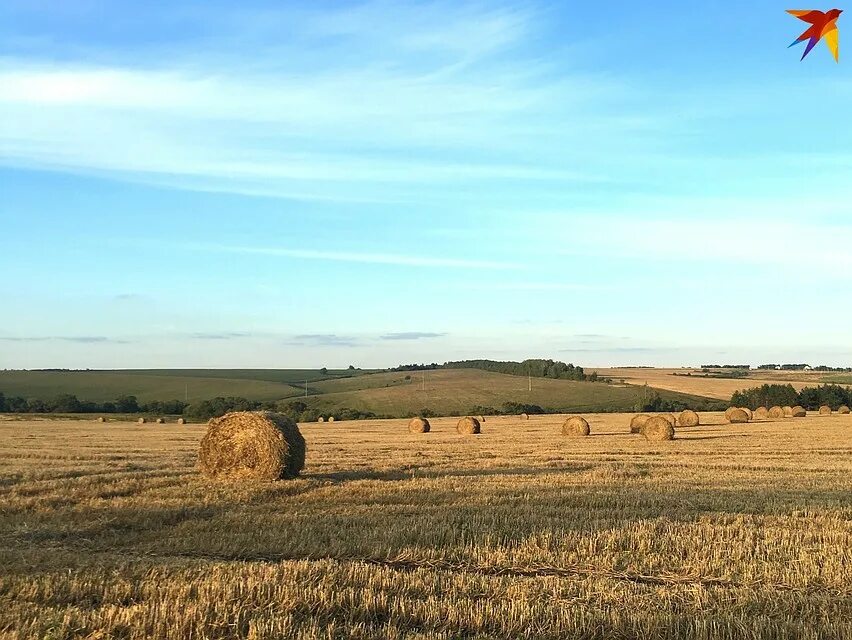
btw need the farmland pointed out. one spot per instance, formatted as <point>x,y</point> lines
<point>729,531</point>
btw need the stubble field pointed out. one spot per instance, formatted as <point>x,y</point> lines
<point>742,531</point>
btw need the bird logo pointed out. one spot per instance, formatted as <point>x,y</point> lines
<point>823,25</point>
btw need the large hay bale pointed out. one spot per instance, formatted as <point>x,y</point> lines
<point>799,412</point>
<point>524,416</point>
<point>761,413</point>
<point>688,418</point>
<point>737,416</point>
<point>141,421</point>
<point>468,426</point>
<point>161,420</point>
<point>637,422</point>
<point>825,410</point>
<point>258,445</point>
<point>843,410</point>
<point>788,411</point>
<point>670,417</point>
<point>419,425</point>
<point>575,426</point>
<point>658,428</point>
<point>748,412</point>
<point>776,412</point>
<point>729,411</point>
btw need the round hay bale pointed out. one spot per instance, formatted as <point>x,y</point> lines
<point>575,426</point>
<point>480,418</point>
<point>761,413</point>
<point>748,412</point>
<point>258,445</point>
<point>141,421</point>
<point>181,420</point>
<point>788,411</point>
<point>729,411</point>
<point>658,428</point>
<point>161,420</point>
<point>799,412</point>
<point>843,410</point>
<point>524,416</point>
<point>331,418</point>
<point>637,422</point>
<point>688,418</point>
<point>670,417</point>
<point>825,410</point>
<point>468,426</point>
<point>776,412</point>
<point>737,416</point>
<point>101,419</point>
<point>419,425</point>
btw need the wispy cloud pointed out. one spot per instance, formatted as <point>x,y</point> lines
<point>412,260</point>
<point>412,335</point>
<point>77,339</point>
<point>325,340</point>
<point>225,335</point>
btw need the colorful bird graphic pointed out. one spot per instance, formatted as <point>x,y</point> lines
<point>823,25</point>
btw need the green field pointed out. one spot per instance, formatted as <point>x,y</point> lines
<point>447,391</point>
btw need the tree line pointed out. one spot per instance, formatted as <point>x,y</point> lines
<point>69,403</point>
<point>780,395</point>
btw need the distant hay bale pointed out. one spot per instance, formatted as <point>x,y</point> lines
<point>101,419</point>
<point>761,413</point>
<point>825,410</point>
<point>799,412</point>
<point>524,416</point>
<point>258,445</point>
<point>776,412</point>
<point>788,411</point>
<point>658,428</point>
<point>688,418</point>
<point>843,410</point>
<point>748,412</point>
<point>670,417</point>
<point>575,426</point>
<point>737,416</point>
<point>331,418</point>
<point>181,421</point>
<point>161,420</point>
<point>419,425</point>
<point>468,426</point>
<point>320,419</point>
<point>729,411</point>
<point>141,421</point>
<point>637,422</point>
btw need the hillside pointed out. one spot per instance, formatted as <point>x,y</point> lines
<point>456,391</point>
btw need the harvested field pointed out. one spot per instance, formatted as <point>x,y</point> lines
<point>728,531</point>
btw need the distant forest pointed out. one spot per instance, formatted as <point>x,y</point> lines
<point>537,368</point>
<point>780,395</point>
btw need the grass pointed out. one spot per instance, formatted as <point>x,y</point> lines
<point>727,532</point>
<point>456,391</point>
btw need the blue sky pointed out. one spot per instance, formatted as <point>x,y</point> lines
<point>271,184</point>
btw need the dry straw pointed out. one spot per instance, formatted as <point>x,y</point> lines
<point>761,413</point>
<point>419,425</point>
<point>320,419</point>
<point>468,426</point>
<point>141,421</point>
<point>480,418</point>
<point>737,416</point>
<point>670,417</point>
<point>252,445</point>
<point>799,412</point>
<point>637,422</point>
<point>843,409</point>
<point>575,426</point>
<point>688,418</point>
<point>161,421</point>
<point>331,418</point>
<point>748,412</point>
<point>729,411</point>
<point>776,412</point>
<point>788,411</point>
<point>825,410</point>
<point>101,419</point>
<point>524,416</point>
<point>181,421</point>
<point>658,428</point>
